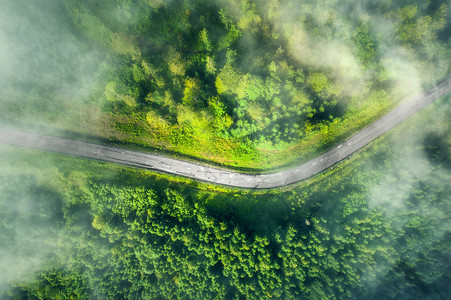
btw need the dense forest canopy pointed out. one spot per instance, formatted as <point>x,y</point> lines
<point>238,82</point>
<point>243,83</point>
<point>376,227</point>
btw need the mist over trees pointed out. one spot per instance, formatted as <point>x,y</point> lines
<point>375,227</point>
<point>253,84</point>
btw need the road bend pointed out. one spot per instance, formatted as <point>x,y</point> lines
<point>222,176</point>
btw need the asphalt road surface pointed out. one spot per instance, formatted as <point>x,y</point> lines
<point>222,176</point>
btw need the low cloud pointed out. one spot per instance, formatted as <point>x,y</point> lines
<point>45,64</point>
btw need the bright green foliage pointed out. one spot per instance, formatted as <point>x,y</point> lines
<point>318,82</point>
<point>55,284</point>
<point>128,234</point>
<point>210,65</point>
<point>138,73</point>
<point>176,65</point>
<point>191,91</point>
<point>249,19</point>
<point>419,30</point>
<point>230,81</point>
<point>250,83</point>
<point>255,88</point>
<point>157,122</point>
<point>289,75</point>
<point>122,44</point>
<point>204,41</point>
<point>365,45</point>
<point>222,119</point>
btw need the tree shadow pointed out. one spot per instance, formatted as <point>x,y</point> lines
<point>438,149</point>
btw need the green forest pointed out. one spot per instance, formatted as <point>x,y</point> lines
<point>375,227</point>
<point>248,84</point>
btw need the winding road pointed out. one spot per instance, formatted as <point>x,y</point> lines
<point>222,176</point>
